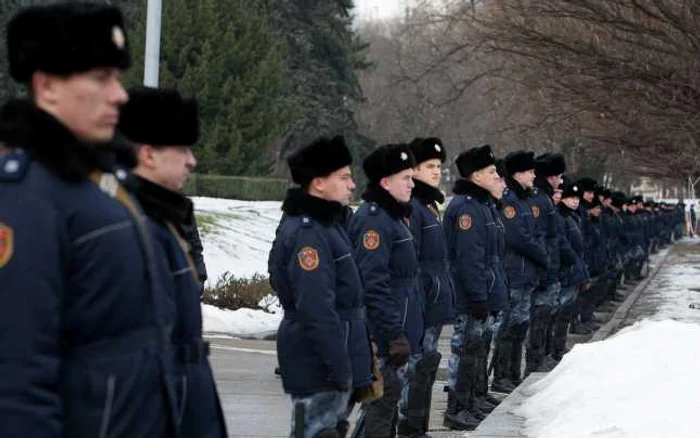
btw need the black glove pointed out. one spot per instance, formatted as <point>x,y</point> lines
<point>399,350</point>
<point>478,310</point>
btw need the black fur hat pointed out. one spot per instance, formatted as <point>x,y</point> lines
<point>430,148</point>
<point>587,184</point>
<point>159,117</point>
<point>475,159</point>
<point>387,160</point>
<point>571,190</point>
<point>320,158</point>
<point>519,161</point>
<point>66,38</point>
<point>549,164</point>
<point>619,199</point>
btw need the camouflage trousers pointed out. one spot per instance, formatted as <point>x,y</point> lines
<point>319,411</point>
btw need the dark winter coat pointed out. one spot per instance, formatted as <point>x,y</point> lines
<point>544,213</point>
<point>84,319</point>
<point>576,273</point>
<point>595,251</point>
<point>474,236</point>
<point>323,342</point>
<point>429,239</point>
<point>389,265</point>
<point>167,212</point>
<point>526,258</point>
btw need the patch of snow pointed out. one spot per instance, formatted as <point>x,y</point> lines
<point>641,383</point>
<point>236,235</point>
<point>243,323</point>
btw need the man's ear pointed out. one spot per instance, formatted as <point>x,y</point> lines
<point>43,89</point>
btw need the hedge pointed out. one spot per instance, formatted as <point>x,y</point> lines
<point>237,187</point>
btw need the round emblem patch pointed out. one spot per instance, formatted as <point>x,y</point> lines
<point>465,222</point>
<point>509,212</point>
<point>371,240</point>
<point>535,211</point>
<point>6,244</point>
<point>308,258</point>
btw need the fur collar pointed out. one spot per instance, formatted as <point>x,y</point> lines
<point>544,186</point>
<point>466,187</point>
<point>515,187</point>
<point>298,202</point>
<point>426,193</point>
<point>160,203</point>
<point>395,209</point>
<point>23,125</point>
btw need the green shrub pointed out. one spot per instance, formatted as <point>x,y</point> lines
<point>237,187</point>
<point>234,293</point>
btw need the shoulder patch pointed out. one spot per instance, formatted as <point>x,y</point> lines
<point>465,222</point>
<point>535,211</point>
<point>308,258</point>
<point>6,244</point>
<point>371,240</point>
<point>509,212</point>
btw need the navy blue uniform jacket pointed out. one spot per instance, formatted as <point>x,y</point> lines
<point>429,238</point>
<point>84,321</point>
<point>389,265</point>
<point>323,342</point>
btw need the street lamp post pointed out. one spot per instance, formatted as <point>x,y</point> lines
<point>152,58</point>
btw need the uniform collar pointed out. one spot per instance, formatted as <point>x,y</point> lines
<point>426,193</point>
<point>395,209</point>
<point>543,185</point>
<point>515,187</point>
<point>160,203</point>
<point>466,187</point>
<point>24,125</point>
<point>299,202</point>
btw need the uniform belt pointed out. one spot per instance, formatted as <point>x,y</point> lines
<point>133,341</point>
<point>192,352</point>
<point>344,314</point>
<point>402,282</point>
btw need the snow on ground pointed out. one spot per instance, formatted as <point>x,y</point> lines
<point>243,323</point>
<point>641,383</point>
<point>236,235</point>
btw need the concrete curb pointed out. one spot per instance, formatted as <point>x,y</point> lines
<point>502,422</point>
<point>269,335</point>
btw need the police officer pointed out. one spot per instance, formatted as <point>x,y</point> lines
<point>596,261</point>
<point>573,271</point>
<point>322,343</point>
<point>435,281</point>
<point>165,126</point>
<point>526,262</point>
<point>549,169</point>
<point>388,262</point>
<point>472,237</point>
<point>85,321</point>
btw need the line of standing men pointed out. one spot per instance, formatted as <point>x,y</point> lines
<point>522,256</point>
<point>100,322</point>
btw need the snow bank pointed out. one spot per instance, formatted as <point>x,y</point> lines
<point>641,383</point>
<point>243,323</point>
<point>236,235</point>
